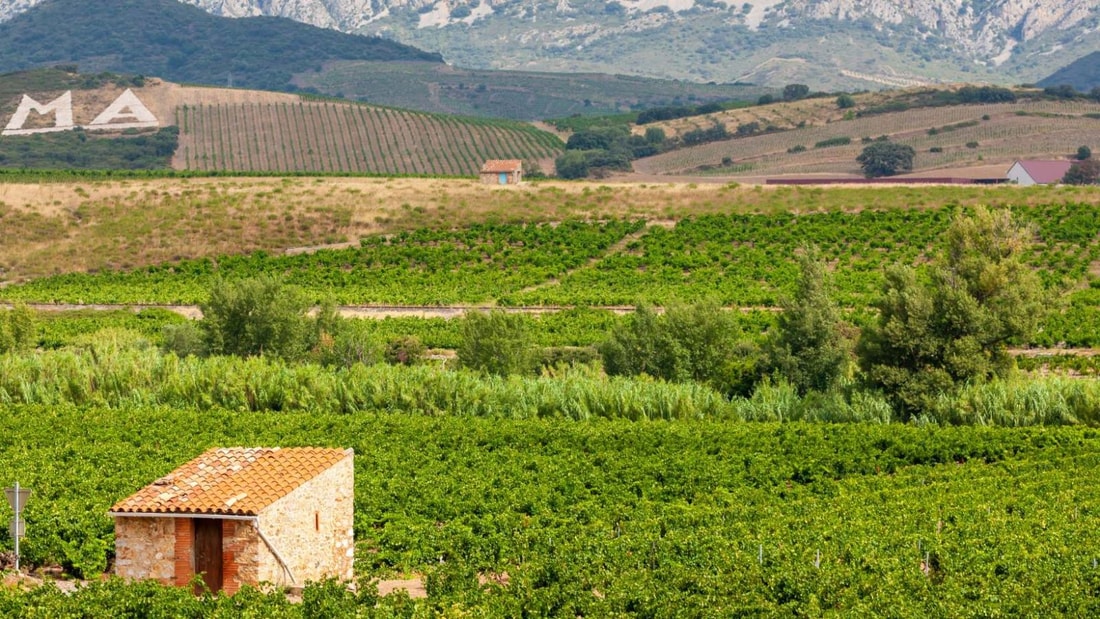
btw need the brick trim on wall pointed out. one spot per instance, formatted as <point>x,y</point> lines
<point>230,547</point>
<point>185,543</point>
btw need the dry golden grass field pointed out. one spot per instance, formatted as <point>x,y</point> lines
<point>61,227</point>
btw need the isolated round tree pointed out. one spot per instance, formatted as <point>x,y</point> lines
<point>886,159</point>
<point>1085,172</point>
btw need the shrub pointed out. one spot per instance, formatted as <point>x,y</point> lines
<point>698,342</point>
<point>794,92</point>
<point>748,128</point>
<point>18,329</point>
<point>972,145</point>
<point>845,101</point>
<point>184,340</point>
<point>497,343</point>
<point>837,141</point>
<point>407,350</point>
<point>936,149</point>
<point>796,149</point>
<point>256,316</point>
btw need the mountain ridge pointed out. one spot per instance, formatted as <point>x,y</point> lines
<point>841,41</point>
<point>1083,74</point>
<point>182,43</point>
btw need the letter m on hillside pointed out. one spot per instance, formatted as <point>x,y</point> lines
<point>61,107</point>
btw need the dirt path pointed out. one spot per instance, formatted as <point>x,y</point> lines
<point>348,311</point>
<point>611,251</point>
<point>378,312</point>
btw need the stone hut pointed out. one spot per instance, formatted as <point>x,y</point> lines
<point>502,172</point>
<point>242,516</point>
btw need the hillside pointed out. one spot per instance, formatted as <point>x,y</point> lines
<point>335,136</point>
<point>224,129</point>
<point>1083,74</point>
<point>962,136</point>
<point>830,44</point>
<point>520,95</point>
<point>181,43</point>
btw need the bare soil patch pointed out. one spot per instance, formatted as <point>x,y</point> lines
<point>413,586</point>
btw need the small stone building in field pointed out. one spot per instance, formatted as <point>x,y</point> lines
<point>1035,172</point>
<point>242,516</point>
<point>502,172</point>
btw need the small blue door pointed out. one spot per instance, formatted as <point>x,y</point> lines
<point>503,178</point>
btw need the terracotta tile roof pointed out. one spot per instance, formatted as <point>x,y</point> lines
<point>496,166</point>
<point>1045,172</point>
<point>232,481</point>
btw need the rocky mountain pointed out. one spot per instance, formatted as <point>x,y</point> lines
<point>852,43</point>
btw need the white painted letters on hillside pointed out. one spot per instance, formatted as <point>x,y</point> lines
<point>127,112</point>
<point>126,106</point>
<point>62,107</point>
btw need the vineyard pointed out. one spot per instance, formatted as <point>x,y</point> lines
<point>340,137</point>
<point>740,260</point>
<point>557,518</point>
<point>1003,132</point>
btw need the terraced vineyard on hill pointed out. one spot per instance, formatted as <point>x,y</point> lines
<point>961,134</point>
<point>327,136</point>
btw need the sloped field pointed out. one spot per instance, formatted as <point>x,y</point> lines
<point>993,133</point>
<point>326,136</point>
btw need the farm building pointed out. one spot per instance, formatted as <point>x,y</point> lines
<point>502,172</point>
<point>1035,172</point>
<point>241,516</point>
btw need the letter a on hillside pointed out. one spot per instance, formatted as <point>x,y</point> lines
<point>62,108</point>
<point>127,112</point>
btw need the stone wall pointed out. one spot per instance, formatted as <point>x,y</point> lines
<point>145,548</point>
<point>312,529</point>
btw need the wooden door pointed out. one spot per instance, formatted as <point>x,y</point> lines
<point>208,552</point>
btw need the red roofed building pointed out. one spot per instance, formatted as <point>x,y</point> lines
<point>502,172</point>
<point>242,516</point>
<point>1034,172</point>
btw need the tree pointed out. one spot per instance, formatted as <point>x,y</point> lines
<point>588,140</point>
<point>808,346</point>
<point>886,159</point>
<point>845,101</point>
<point>794,92</point>
<point>955,327</point>
<point>572,164</point>
<point>1064,91</point>
<point>1086,172</point>
<point>256,316</point>
<point>655,135</point>
<point>1083,153</point>
<point>497,343</point>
